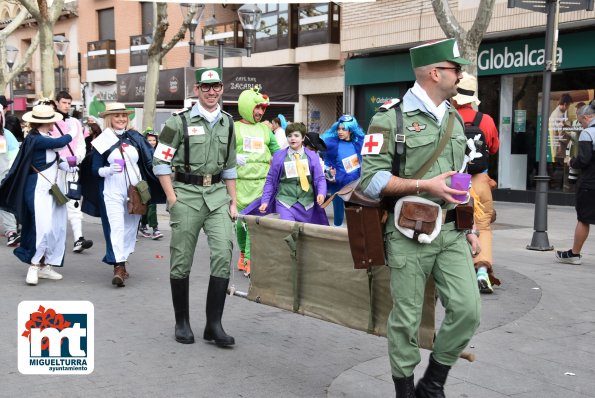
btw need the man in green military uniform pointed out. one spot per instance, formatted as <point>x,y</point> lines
<point>197,145</point>
<point>425,112</point>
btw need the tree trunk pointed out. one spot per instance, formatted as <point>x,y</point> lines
<point>48,85</point>
<point>151,87</point>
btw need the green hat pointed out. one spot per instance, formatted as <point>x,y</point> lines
<point>208,75</point>
<point>436,51</point>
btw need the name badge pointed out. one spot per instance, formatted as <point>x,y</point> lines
<point>253,144</point>
<point>195,130</point>
<point>3,147</point>
<point>291,168</point>
<point>351,163</point>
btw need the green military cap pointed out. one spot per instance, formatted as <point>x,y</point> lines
<point>436,51</point>
<point>208,75</point>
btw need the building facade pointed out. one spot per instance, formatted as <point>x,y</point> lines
<point>510,66</point>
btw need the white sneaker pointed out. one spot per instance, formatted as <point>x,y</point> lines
<point>32,275</point>
<point>48,272</point>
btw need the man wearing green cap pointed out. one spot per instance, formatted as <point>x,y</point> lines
<point>425,116</point>
<point>197,145</point>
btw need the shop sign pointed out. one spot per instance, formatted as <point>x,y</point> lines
<point>280,83</point>
<point>131,86</point>
<point>528,55</point>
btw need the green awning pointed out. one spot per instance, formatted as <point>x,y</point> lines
<point>382,69</point>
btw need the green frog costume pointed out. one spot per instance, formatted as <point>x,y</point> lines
<point>255,145</point>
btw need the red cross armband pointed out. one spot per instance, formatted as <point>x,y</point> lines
<point>372,144</point>
<point>164,152</point>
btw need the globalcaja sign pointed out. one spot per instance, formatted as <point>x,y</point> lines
<point>528,55</point>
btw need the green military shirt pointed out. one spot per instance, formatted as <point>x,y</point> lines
<point>207,156</point>
<point>422,135</point>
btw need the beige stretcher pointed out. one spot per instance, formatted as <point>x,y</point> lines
<point>308,269</point>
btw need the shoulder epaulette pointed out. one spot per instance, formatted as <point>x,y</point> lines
<point>180,112</point>
<point>391,103</point>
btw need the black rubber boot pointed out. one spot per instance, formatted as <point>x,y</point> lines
<point>404,387</point>
<point>179,294</point>
<point>215,303</point>
<point>432,384</point>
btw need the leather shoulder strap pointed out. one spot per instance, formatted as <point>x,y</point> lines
<point>186,142</point>
<point>441,145</point>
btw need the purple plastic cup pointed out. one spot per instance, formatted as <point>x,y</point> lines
<point>121,162</point>
<point>461,182</point>
<point>71,160</point>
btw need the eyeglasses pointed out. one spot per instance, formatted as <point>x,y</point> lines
<point>205,88</point>
<point>457,69</point>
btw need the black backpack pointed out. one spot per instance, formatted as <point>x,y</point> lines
<point>477,165</point>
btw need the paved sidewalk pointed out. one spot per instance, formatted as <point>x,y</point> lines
<point>538,326</point>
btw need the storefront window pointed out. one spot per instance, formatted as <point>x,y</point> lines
<point>570,89</point>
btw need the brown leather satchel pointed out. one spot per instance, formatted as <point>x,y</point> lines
<point>135,204</point>
<point>419,217</point>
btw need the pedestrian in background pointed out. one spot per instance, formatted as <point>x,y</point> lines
<point>76,148</point>
<point>198,145</point>
<point>9,147</point>
<point>481,183</point>
<point>342,159</point>
<point>150,218</point>
<point>585,190</point>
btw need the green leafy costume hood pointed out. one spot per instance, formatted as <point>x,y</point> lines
<point>248,100</point>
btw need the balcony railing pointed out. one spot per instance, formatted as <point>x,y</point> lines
<point>231,33</point>
<point>24,83</point>
<point>139,49</point>
<point>101,54</point>
<point>318,24</point>
<point>273,32</point>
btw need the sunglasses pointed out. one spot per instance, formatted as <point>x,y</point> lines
<point>458,69</point>
<point>205,88</point>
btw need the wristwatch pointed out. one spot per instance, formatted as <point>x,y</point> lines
<point>472,231</point>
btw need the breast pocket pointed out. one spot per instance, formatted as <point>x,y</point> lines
<point>222,142</point>
<point>198,149</point>
<point>419,148</point>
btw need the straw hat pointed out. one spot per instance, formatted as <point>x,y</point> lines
<point>42,114</point>
<point>467,90</point>
<point>114,108</point>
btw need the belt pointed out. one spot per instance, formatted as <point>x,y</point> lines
<point>205,181</point>
<point>449,216</point>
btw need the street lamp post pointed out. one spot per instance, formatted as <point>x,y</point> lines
<point>193,24</point>
<point>552,8</point>
<point>11,56</point>
<point>249,15</point>
<point>60,47</point>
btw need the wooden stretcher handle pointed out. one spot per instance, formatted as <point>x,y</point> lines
<point>469,356</point>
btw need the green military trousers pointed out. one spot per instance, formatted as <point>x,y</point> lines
<point>186,223</point>
<point>448,259</point>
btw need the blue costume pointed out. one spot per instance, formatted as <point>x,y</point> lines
<point>345,157</point>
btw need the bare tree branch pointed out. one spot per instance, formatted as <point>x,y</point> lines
<point>32,7</point>
<point>182,31</point>
<point>449,24</point>
<point>482,21</point>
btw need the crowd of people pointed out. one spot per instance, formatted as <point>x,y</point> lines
<point>209,169</point>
